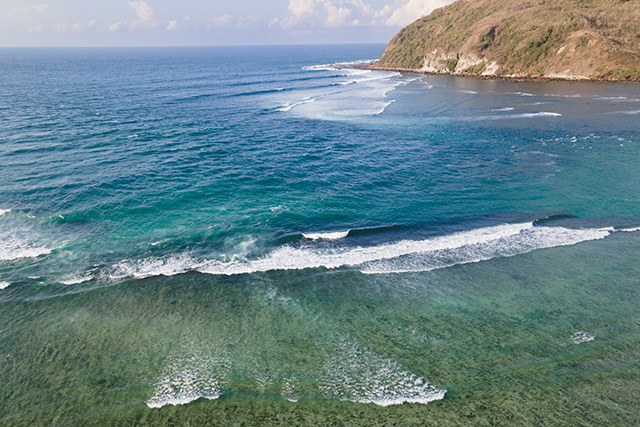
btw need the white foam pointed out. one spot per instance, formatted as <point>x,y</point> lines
<point>542,153</point>
<point>357,375</point>
<point>483,245</point>
<point>17,242</point>
<point>516,116</point>
<point>359,94</point>
<point>504,109</point>
<point>190,377</point>
<point>539,114</point>
<point>13,247</point>
<point>611,98</point>
<point>335,235</point>
<point>289,389</point>
<point>4,285</point>
<point>630,230</point>
<point>75,279</point>
<point>320,67</point>
<point>402,256</point>
<point>289,106</point>
<point>338,66</point>
<point>383,109</point>
<point>153,267</point>
<point>582,337</point>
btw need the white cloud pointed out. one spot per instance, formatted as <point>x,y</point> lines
<point>26,10</point>
<point>409,10</point>
<point>221,21</point>
<point>91,23</point>
<point>36,8</point>
<point>338,16</point>
<point>173,25</point>
<point>301,7</point>
<point>349,13</point>
<point>76,27</point>
<point>115,27</point>
<point>36,29</point>
<point>61,28</point>
<point>329,13</point>
<point>142,9</point>
<point>247,21</point>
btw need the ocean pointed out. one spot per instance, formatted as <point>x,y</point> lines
<point>275,236</point>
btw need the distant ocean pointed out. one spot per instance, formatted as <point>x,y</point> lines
<point>270,235</point>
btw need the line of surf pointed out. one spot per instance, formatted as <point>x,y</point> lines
<point>403,256</point>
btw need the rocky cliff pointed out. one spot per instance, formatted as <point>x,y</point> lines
<point>523,39</point>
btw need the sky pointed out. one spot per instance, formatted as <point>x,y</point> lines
<point>205,22</point>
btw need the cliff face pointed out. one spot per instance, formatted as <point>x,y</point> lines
<point>556,39</point>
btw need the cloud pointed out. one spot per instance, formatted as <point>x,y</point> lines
<point>301,7</point>
<point>349,13</point>
<point>115,27</point>
<point>221,21</point>
<point>76,27</point>
<point>36,29</point>
<point>173,25</point>
<point>408,11</point>
<point>26,10</point>
<point>247,21</point>
<point>338,16</point>
<point>36,8</point>
<point>325,13</point>
<point>142,9</point>
<point>60,28</point>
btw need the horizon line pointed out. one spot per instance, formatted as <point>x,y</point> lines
<point>188,45</point>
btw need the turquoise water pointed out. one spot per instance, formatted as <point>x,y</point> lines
<point>271,236</point>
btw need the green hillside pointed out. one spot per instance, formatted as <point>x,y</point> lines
<point>564,39</point>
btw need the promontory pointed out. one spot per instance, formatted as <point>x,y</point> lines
<point>523,39</point>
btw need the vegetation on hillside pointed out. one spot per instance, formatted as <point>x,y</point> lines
<point>597,39</point>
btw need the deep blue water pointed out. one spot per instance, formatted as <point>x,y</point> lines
<point>336,218</point>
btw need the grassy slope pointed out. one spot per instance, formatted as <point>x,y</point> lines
<point>536,38</point>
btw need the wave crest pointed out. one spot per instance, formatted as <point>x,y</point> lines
<point>335,235</point>
<point>403,256</point>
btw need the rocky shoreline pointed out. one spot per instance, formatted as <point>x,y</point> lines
<point>510,78</point>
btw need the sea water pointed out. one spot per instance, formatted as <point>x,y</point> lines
<point>276,235</point>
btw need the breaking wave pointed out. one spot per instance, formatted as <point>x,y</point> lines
<point>517,116</point>
<point>403,256</point>
<point>14,247</point>
<point>336,235</point>
<point>189,377</point>
<point>19,240</point>
<point>290,105</point>
<point>357,375</point>
<point>338,66</point>
<point>75,279</point>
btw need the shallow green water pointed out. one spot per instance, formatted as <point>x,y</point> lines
<point>286,245</point>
